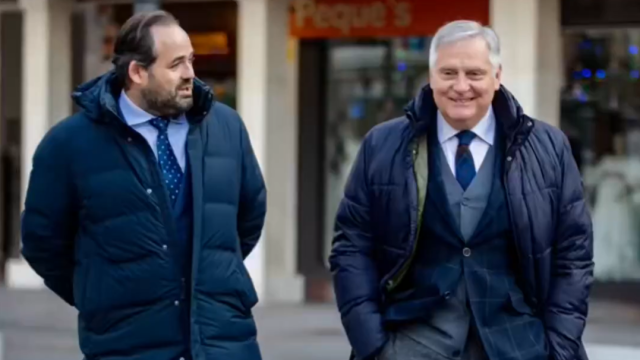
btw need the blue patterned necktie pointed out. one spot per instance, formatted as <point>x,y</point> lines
<point>465,167</point>
<point>167,159</point>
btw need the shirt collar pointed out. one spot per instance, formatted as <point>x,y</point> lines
<point>485,129</point>
<point>134,115</point>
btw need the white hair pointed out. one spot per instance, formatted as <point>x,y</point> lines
<point>463,30</point>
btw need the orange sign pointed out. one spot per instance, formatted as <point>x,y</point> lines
<point>210,43</point>
<point>372,18</point>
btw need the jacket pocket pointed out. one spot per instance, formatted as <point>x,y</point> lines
<point>246,290</point>
<point>516,303</point>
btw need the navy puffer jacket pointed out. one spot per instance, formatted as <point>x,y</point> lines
<point>378,220</point>
<point>96,226</point>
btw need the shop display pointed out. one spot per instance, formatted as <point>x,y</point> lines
<point>600,107</point>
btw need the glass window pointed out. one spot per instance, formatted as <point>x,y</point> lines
<point>369,82</point>
<point>601,116</point>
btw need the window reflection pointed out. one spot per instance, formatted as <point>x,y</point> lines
<point>600,114</point>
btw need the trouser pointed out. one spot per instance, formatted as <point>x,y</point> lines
<point>410,344</point>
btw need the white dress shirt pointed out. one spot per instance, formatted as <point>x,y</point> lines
<point>485,131</point>
<point>140,121</point>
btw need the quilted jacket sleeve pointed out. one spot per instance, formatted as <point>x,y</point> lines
<point>49,220</point>
<point>253,197</point>
<point>567,305</point>
<point>354,272</point>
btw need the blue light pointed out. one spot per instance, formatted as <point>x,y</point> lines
<point>599,50</point>
<point>402,67</point>
<point>583,98</point>
<point>356,110</point>
<point>635,74</point>
<point>586,73</point>
<point>633,50</point>
<point>601,74</point>
<point>585,45</point>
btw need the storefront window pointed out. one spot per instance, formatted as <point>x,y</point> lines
<point>368,83</point>
<point>601,117</point>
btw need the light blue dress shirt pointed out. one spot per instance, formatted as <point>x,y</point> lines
<point>139,120</point>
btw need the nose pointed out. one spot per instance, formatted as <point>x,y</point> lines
<point>461,84</point>
<point>188,72</point>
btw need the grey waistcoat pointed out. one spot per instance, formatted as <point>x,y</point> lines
<point>448,330</point>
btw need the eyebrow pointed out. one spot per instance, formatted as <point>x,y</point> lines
<point>476,69</point>
<point>445,68</point>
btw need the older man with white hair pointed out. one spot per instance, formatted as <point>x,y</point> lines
<point>463,232</point>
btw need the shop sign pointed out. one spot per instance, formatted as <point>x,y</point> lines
<point>210,43</point>
<point>372,18</point>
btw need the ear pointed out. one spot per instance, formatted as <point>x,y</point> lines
<point>498,77</point>
<point>137,73</point>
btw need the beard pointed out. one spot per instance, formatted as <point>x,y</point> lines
<point>166,103</point>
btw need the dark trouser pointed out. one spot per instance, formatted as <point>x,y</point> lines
<point>409,344</point>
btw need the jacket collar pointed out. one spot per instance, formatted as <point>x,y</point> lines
<point>422,110</point>
<point>99,99</point>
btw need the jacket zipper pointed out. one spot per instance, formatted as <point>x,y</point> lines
<point>397,278</point>
<point>509,162</point>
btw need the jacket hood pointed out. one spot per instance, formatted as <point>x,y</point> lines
<point>99,98</point>
<point>506,108</point>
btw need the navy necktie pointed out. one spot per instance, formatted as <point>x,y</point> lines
<point>167,159</point>
<point>465,167</point>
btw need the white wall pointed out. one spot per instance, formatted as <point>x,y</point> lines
<point>531,40</point>
<point>267,100</point>
<point>46,86</point>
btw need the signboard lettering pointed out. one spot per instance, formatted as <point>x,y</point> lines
<point>345,16</point>
<point>362,18</point>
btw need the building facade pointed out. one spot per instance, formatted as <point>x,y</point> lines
<point>310,78</point>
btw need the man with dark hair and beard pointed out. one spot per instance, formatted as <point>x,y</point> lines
<point>142,207</point>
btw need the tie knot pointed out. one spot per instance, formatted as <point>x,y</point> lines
<point>465,137</point>
<point>161,124</point>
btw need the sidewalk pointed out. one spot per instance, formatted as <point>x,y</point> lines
<point>38,326</point>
